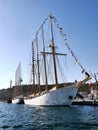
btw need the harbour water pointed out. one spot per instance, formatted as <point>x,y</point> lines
<point>23,117</point>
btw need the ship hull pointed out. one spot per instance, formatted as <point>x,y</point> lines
<point>63,96</point>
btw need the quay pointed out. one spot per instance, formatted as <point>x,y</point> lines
<point>85,102</point>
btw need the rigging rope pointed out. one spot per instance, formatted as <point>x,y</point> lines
<point>64,38</point>
<point>61,70</point>
<point>50,70</point>
<point>40,28</point>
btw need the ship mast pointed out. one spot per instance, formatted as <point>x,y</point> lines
<point>38,65</point>
<point>33,67</point>
<point>53,51</point>
<point>44,56</point>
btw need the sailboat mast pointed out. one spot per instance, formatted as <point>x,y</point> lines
<point>38,65</point>
<point>46,81</point>
<point>53,51</point>
<point>33,67</point>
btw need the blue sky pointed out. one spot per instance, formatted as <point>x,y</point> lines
<point>20,19</point>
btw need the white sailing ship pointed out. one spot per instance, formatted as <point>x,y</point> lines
<point>59,93</point>
<point>18,80</point>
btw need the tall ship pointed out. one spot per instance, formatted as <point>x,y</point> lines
<point>18,88</point>
<point>49,87</point>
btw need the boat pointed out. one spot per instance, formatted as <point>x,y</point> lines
<point>57,93</point>
<point>18,99</point>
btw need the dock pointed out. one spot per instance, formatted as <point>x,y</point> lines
<point>85,102</point>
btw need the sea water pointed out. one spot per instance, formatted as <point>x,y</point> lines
<point>23,117</point>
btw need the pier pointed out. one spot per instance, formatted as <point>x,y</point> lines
<point>85,102</point>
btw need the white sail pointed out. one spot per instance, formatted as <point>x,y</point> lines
<point>18,81</point>
<point>18,77</point>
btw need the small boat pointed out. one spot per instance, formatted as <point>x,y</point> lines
<point>19,100</point>
<point>59,93</point>
<point>18,79</point>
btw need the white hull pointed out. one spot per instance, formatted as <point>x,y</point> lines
<point>19,100</point>
<point>62,96</point>
<point>15,101</point>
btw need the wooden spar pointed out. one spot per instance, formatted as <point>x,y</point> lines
<point>33,67</point>
<point>53,52</point>
<point>45,71</point>
<point>38,65</point>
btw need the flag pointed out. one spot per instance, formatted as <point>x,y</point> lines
<point>60,29</point>
<point>90,84</point>
<point>83,71</point>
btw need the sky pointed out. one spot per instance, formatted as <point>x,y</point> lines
<point>20,19</point>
